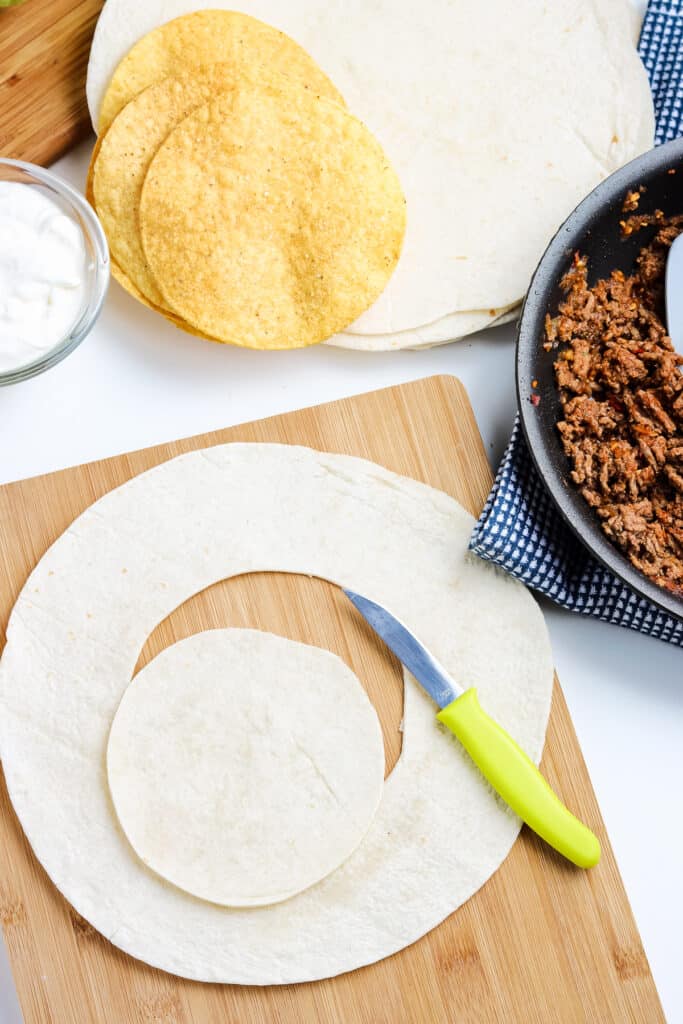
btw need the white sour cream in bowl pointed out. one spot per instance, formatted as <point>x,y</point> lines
<point>54,270</point>
<point>42,274</point>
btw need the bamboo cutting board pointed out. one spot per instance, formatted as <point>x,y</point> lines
<point>44,47</point>
<point>540,941</point>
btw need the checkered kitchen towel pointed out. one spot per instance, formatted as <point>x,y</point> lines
<point>520,528</point>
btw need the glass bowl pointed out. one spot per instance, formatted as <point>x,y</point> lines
<point>97,262</point>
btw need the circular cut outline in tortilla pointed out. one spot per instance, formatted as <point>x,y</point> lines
<point>76,633</point>
<point>245,767</point>
<point>494,134</point>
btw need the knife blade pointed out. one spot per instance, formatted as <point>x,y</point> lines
<point>500,759</point>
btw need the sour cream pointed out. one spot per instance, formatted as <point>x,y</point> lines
<point>43,269</point>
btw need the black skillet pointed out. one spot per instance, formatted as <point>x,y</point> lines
<point>593,230</point>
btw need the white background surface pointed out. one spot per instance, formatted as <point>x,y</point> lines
<point>137,381</point>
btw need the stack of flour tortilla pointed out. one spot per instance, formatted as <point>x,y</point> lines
<point>497,118</point>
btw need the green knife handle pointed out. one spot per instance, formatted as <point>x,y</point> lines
<point>517,779</point>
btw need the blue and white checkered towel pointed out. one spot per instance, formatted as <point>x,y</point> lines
<point>520,528</point>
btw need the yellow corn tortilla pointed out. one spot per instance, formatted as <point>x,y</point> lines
<point>271,218</point>
<point>117,273</point>
<point>124,152</point>
<point>208,37</point>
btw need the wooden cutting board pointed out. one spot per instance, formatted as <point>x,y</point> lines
<point>540,941</point>
<point>44,47</point>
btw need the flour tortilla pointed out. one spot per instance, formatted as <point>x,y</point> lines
<point>498,321</point>
<point>454,327</point>
<point>498,118</point>
<point>245,767</point>
<point>75,635</point>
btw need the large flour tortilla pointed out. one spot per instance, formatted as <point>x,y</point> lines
<point>498,118</point>
<point>245,767</point>
<point>76,633</point>
<point>454,327</point>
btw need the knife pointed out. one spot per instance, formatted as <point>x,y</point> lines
<point>509,770</point>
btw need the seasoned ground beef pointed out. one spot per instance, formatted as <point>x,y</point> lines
<point>621,389</point>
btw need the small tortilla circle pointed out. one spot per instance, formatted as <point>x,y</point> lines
<point>271,218</point>
<point>245,767</point>
<point>207,37</point>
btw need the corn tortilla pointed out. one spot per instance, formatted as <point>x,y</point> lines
<point>271,218</point>
<point>120,275</point>
<point>207,37</point>
<point>124,152</point>
<point>117,273</point>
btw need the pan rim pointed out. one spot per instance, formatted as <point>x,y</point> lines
<point>571,505</point>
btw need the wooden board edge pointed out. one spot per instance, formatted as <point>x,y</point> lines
<point>209,438</point>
